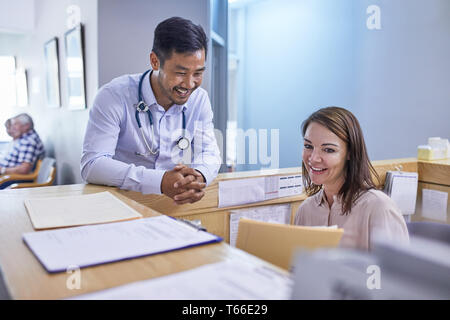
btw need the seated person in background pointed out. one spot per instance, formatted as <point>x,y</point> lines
<point>25,149</point>
<point>6,150</point>
<point>337,178</point>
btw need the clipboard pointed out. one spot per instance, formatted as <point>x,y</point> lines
<point>402,187</point>
<point>63,249</point>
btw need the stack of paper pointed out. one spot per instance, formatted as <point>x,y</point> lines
<point>228,280</point>
<point>63,249</point>
<point>103,207</point>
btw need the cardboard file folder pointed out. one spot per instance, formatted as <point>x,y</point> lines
<point>57,212</point>
<point>277,243</point>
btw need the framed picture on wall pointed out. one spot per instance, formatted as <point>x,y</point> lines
<point>52,73</point>
<point>75,68</point>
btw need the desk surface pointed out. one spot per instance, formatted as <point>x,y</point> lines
<point>26,278</point>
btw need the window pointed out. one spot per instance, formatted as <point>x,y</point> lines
<point>8,92</point>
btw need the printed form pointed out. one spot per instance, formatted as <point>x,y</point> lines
<point>59,250</point>
<point>241,191</point>
<point>404,191</point>
<point>227,280</point>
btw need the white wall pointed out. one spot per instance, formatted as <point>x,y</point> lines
<point>403,78</point>
<point>126,32</point>
<point>305,54</point>
<point>61,130</point>
<point>17,16</point>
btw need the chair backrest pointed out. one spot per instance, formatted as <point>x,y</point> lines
<point>430,230</point>
<point>45,170</point>
<point>36,168</point>
<point>277,243</point>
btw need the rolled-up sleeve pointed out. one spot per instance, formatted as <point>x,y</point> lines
<point>100,142</point>
<point>207,157</point>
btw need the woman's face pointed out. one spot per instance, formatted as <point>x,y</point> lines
<point>324,156</point>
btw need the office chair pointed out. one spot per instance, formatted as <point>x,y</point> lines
<point>430,230</point>
<point>9,179</point>
<point>43,175</point>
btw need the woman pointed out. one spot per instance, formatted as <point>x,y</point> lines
<point>337,176</point>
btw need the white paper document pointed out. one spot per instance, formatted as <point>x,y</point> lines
<point>63,249</point>
<point>275,214</point>
<point>227,280</point>
<point>404,191</point>
<point>282,186</point>
<point>242,191</point>
<point>333,227</point>
<point>55,212</point>
<point>434,204</point>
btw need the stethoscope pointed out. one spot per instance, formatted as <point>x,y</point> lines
<point>182,143</point>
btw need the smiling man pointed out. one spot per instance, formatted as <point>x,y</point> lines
<point>153,132</point>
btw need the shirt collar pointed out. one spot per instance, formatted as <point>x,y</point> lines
<point>321,198</point>
<point>147,92</point>
<point>150,99</point>
<point>27,134</point>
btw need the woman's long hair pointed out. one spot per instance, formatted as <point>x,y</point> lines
<point>358,169</point>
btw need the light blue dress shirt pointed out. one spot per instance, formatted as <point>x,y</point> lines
<point>114,152</point>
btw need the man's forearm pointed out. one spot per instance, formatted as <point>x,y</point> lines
<point>107,171</point>
<point>24,168</point>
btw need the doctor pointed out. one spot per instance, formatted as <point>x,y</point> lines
<point>143,126</point>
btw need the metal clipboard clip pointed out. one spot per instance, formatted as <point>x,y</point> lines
<point>193,224</point>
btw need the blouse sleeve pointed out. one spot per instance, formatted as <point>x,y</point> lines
<point>387,222</point>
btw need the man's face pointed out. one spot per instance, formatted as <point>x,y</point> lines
<point>181,74</point>
<point>8,128</point>
<point>17,128</point>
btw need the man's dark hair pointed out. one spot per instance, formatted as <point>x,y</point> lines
<point>179,35</point>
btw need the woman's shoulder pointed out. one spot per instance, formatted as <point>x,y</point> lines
<point>307,209</point>
<point>375,195</point>
<point>374,198</point>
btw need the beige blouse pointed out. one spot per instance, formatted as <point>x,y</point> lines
<point>373,213</point>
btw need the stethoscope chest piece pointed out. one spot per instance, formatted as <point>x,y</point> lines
<point>183,143</point>
<point>142,107</point>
